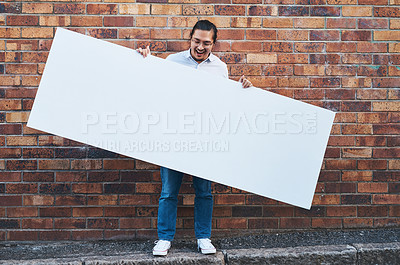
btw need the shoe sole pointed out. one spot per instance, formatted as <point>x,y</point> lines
<point>160,253</point>
<point>208,251</point>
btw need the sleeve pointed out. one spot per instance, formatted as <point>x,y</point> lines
<point>226,74</point>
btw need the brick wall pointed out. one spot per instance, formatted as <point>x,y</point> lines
<point>339,54</point>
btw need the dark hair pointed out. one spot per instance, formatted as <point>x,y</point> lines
<point>205,25</point>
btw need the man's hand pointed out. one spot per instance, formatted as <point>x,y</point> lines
<point>144,52</point>
<point>245,82</point>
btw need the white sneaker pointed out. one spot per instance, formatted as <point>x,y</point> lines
<point>161,247</point>
<point>205,246</point>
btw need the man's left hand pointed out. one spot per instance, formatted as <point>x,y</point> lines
<point>245,82</point>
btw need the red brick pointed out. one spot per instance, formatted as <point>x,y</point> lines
<point>372,2</point>
<point>292,35</point>
<point>345,211</point>
<point>231,223</point>
<point>380,59</point>
<point>10,152</point>
<point>87,211</point>
<point>246,46</point>
<point>103,200</point>
<point>387,153</point>
<point>103,33</point>
<point>393,141</point>
<point>118,21</point>
<point>61,223</point>
<point>19,188</point>
<point>357,129</point>
<point>260,34</point>
<point>22,20</point>
<point>119,164</point>
<point>120,211</point>
<point>64,200</point>
<point>277,22</point>
<point>277,70</point>
<point>325,58</point>
<point>195,10</point>
<point>230,10</point>
<point>325,11</point>
<point>372,117</point>
<point>372,164</point>
<point>365,23</point>
<point>159,46</point>
<point>394,71</point>
<point>37,8</point>
<point>386,222</point>
<point>54,211</point>
<point>357,222</point>
<point>371,47</point>
<point>87,188</point>
<point>38,200</point>
<point>22,235</point>
<point>263,223</point>
<point>135,223</point>
<point>325,82</point>
<point>356,35</point>
<point>22,212</point>
<point>386,198</point>
<point>357,59</point>
<point>387,11</point>
<point>324,35</point>
<point>342,47</point>
<point>238,70</point>
<point>37,223</point>
<point>54,235</point>
<point>357,176</point>
<point>394,211</point>
<point>356,199</point>
<point>341,23</point>
<point>14,8</point>
<point>356,106</point>
<point>294,82</point>
<point>70,176</point>
<point>54,164</point>
<point>326,223</point>
<point>277,47</point>
<point>86,21</point>
<point>310,47</point>
<point>293,11</point>
<point>292,58</point>
<point>102,9</point>
<point>69,8</point>
<point>291,223</point>
<point>386,129</point>
<point>357,11</point>
<point>326,199</point>
<point>165,33</point>
<point>386,176</point>
<point>385,82</point>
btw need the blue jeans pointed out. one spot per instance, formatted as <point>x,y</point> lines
<point>203,205</point>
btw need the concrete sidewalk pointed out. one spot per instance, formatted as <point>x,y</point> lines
<point>350,247</point>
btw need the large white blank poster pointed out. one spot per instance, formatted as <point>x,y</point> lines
<point>158,111</point>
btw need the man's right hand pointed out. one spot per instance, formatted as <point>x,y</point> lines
<point>144,52</point>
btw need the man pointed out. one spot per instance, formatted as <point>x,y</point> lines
<point>202,39</point>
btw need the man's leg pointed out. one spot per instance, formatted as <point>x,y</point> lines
<point>203,206</point>
<point>167,208</point>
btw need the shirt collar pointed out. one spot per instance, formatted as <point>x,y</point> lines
<point>210,58</point>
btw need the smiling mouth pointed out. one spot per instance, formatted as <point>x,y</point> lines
<point>200,52</point>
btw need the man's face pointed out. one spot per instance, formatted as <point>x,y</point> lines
<point>201,44</point>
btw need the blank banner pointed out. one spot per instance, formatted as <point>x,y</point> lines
<point>161,112</point>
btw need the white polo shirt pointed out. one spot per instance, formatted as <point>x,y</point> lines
<point>212,64</point>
